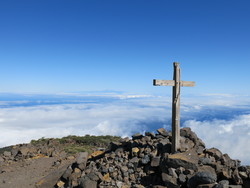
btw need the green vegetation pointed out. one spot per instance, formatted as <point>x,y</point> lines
<point>2,150</point>
<point>39,141</point>
<point>74,144</point>
<point>89,140</point>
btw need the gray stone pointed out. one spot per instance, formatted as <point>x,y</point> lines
<point>164,146</point>
<point>243,175</point>
<point>145,159</point>
<point>7,153</point>
<point>51,179</point>
<point>1,159</point>
<point>206,185</point>
<point>134,160</point>
<point>113,146</point>
<point>222,184</point>
<point>155,162</point>
<point>169,181</point>
<point>171,172</point>
<point>162,132</point>
<point>14,152</point>
<point>235,186</point>
<point>186,132</point>
<point>177,160</point>
<point>94,176</point>
<point>124,168</point>
<point>67,173</point>
<point>201,178</point>
<point>137,136</point>
<point>81,159</point>
<point>87,183</point>
<point>152,135</point>
<point>205,161</point>
<point>119,184</point>
<point>236,177</point>
<point>182,178</point>
<point>214,152</point>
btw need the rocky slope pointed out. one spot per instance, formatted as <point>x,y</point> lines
<point>43,161</point>
<point>143,161</point>
<point>146,161</point>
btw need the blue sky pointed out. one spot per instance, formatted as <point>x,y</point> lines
<point>70,46</point>
<point>86,67</point>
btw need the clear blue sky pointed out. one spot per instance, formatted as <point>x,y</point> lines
<point>52,46</point>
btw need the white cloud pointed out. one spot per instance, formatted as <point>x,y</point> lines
<point>122,117</point>
<point>217,119</point>
<point>230,136</point>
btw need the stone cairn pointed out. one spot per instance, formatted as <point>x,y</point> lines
<point>147,161</point>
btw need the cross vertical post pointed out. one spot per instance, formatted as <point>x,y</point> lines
<point>176,83</point>
<point>176,108</point>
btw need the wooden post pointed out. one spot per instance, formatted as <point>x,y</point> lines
<point>176,83</point>
<point>176,109</point>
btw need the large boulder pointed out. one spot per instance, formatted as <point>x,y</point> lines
<point>187,160</point>
<point>202,178</point>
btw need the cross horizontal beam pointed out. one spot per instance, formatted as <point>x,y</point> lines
<point>172,83</point>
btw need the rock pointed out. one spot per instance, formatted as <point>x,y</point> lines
<point>162,132</point>
<point>155,162</point>
<point>182,178</point>
<point>6,153</point>
<point>1,159</point>
<point>205,161</point>
<point>185,160</point>
<point>185,144</point>
<point>67,173</point>
<point>60,184</point>
<point>225,173</point>
<point>24,150</point>
<point>114,145</point>
<point>202,178</point>
<point>214,152</point>
<point>169,181</point>
<point>51,179</point>
<point>186,132</point>
<point>97,153</point>
<point>87,183</point>
<point>14,152</point>
<point>135,150</point>
<point>243,175</point>
<point>137,136</point>
<point>236,177</point>
<point>164,146</point>
<point>152,135</point>
<point>206,185</point>
<point>206,168</point>
<point>81,159</point>
<point>222,184</point>
<point>171,172</point>
<point>145,159</point>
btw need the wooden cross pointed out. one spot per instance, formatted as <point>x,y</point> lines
<point>176,83</point>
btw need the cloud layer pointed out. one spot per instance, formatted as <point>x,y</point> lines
<point>221,121</point>
<point>230,136</point>
<point>117,117</point>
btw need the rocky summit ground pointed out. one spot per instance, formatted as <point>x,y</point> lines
<point>142,161</point>
<point>42,162</point>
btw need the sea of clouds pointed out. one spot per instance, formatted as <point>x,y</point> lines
<point>221,121</point>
